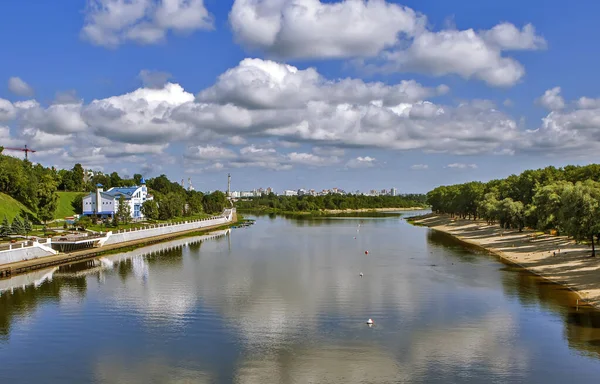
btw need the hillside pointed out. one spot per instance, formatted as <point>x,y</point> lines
<point>10,207</point>
<point>64,208</point>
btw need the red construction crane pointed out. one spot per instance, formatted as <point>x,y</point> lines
<point>25,149</point>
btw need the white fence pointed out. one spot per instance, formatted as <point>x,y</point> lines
<point>165,229</point>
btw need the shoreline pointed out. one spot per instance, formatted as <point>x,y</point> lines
<point>533,251</point>
<point>21,267</point>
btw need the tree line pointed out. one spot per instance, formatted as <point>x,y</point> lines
<point>566,200</point>
<point>36,187</point>
<point>308,203</point>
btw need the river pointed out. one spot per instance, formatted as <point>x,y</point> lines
<point>282,302</point>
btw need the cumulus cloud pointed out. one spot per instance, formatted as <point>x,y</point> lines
<point>572,130</point>
<point>361,162</point>
<point>312,29</point>
<point>209,152</point>
<point>67,97</point>
<point>7,110</point>
<point>110,23</point>
<point>461,166</point>
<point>419,166</point>
<point>154,79</point>
<point>396,35</point>
<point>19,87</point>
<point>552,100</point>
<point>141,116</point>
<point>261,84</point>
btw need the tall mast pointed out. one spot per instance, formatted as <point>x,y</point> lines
<point>229,185</point>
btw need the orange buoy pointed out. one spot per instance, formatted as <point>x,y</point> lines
<point>366,252</point>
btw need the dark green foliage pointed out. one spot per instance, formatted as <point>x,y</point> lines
<point>5,228</point>
<point>567,200</point>
<point>27,225</point>
<point>308,203</point>
<point>77,203</point>
<point>150,209</point>
<point>17,227</point>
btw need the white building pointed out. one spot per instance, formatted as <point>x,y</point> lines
<point>106,204</point>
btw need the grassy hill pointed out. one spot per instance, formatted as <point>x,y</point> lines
<point>10,207</point>
<point>64,208</point>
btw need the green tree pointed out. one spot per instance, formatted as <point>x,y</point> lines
<point>47,198</point>
<point>77,173</point>
<point>580,211</point>
<point>17,226</point>
<point>84,222</point>
<point>150,209</point>
<point>27,226</point>
<point>5,228</point>
<point>77,203</point>
<point>124,210</point>
<point>137,179</point>
<point>115,180</point>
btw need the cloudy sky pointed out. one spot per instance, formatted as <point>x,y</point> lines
<point>302,93</point>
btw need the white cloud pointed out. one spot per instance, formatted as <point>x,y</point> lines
<point>361,162</point>
<point>462,52</point>
<point>209,152</point>
<point>312,29</point>
<point>398,36</point>
<point>508,37</point>
<point>142,116</point>
<point>56,119</point>
<point>67,97</point>
<point>312,159</point>
<point>508,103</point>
<point>419,166</point>
<point>7,110</point>
<point>236,140</point>
<point>110,23</point>
<point>19,87</point>
<point>551,99</point>
<point>259,84</point>
<point>154,79</point>
<point>461,166</point>
<point>583,103</point>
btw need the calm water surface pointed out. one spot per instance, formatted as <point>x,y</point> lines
<point>282,302</point>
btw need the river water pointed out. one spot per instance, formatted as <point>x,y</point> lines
<point>282,302</point>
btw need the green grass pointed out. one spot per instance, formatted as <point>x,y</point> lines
<point>10,207</point>
<point>64,208</point>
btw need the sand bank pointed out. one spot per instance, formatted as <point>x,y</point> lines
<point>539,253</point>
<point>373,210</point>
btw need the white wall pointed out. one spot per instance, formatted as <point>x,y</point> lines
<point>27,253</point>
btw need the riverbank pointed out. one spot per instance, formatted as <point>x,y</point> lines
<point>13,269</point>
<point>554,258</point>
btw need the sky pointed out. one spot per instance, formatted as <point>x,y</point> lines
<point>290,94</point>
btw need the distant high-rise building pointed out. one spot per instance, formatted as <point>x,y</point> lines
<point>394,192</point>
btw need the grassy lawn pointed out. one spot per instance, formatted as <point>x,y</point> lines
<point>10,207</point>
<point>64,208</point>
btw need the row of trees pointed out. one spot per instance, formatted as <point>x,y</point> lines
<point>18,227</point>
<point>308,203</point>
<point>563,199</point>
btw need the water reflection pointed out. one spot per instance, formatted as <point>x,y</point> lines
<point>581,323</point>
<point>283,302</point>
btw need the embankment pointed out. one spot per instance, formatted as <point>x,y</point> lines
<point>46,261</point>
<point>555,258</point>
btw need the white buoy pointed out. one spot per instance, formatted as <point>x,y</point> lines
<point>370,322</point>
<point>361,274</point>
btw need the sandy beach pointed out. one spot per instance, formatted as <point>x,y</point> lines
<point>539,253</point>
<point>372,210</point>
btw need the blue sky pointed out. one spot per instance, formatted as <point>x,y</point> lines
<point>302,93</point>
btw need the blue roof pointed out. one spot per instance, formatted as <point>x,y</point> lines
<point>127,191</point>
<point>99,185</point>
<point>142,181</point>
